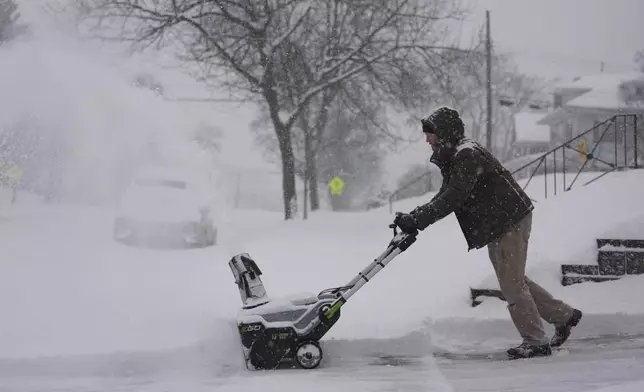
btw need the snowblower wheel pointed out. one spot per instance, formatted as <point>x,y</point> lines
<point>262,360</point>
<point>308,354</point>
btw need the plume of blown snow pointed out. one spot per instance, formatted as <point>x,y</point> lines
<point>77,125</point>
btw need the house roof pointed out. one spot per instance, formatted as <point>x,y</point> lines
<point>598,92</point>
<point>600,99</point>
<point>602,81</point>
<point>528,129</point>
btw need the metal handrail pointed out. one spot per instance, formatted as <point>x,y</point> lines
<point>589,156</point>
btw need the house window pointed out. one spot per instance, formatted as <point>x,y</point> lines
<point>639,92</point>
<point>597,133</point>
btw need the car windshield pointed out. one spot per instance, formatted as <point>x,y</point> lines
<point>176,184</point>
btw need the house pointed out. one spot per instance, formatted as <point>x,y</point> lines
<point>587,102</point>
<point>531,141</point>
<point>530,137</point>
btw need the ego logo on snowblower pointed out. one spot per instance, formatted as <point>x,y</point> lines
<point>251,328</point>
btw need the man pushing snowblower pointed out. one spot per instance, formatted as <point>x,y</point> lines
<point>493,211</point>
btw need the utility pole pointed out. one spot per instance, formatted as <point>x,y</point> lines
<point>488,48</point>
<point>306,194</point>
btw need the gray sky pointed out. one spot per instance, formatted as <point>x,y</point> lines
<point>565,38</point>
<point>553,38</point>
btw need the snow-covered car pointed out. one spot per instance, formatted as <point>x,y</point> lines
<point>168,208</point>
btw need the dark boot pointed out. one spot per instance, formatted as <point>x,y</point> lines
<point>562,332</point>
<point>527,350</point>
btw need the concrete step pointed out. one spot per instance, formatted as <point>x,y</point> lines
<point>568,280</point>
<point>475,295</point>
<point>579,269</point>
<point>615,258</point>
<point>611,263</point>
<point>626,262</point>
<point>620,243</point>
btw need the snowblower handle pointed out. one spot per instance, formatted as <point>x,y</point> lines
<point>394,224</point>
<point>402,240</point>
<point>397,245</point>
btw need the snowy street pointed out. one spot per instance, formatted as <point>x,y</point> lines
<point>200,368</point>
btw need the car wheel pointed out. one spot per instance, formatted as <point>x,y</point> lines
<point>210,235</point>
<point>206,235</point>
<point>214,236</point>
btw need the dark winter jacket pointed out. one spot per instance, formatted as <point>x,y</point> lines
<point>484,196</point>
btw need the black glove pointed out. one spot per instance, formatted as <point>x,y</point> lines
<point>416,213</point>
<point>406,222</point>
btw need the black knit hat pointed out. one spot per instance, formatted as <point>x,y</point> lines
<point>445,123</point>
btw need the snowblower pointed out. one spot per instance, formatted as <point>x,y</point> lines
<point>286,330</point>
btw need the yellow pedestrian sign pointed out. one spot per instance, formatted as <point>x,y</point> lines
<point>336,184</point>
<point>14,174</point>
<point>583,150</point>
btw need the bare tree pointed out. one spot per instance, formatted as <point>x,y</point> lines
<point>314,134</point>
<point>237,43</point>
<point>10,28</point>
<point>639,60</point>
<point>351,150</point>
<point>397,81</point>
<point>463,87</point>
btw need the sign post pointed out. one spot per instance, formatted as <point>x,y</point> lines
<point>14,174</point>
<point>583,149</point>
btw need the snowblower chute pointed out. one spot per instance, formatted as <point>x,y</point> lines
<point>277,331</point>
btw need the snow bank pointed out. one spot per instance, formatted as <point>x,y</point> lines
<point>589,212</point>
<point>66,288</point>
<point>633,386</point>
<point>632,228</point>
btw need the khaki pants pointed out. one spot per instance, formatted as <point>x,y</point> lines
<point>528,302</point>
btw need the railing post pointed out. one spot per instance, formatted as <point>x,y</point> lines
<point>615,139</point>
<point>635,139</point>
<point>563,155</point>
<point>554,170</point>
<point>545,176</point>
<point>625,141</point>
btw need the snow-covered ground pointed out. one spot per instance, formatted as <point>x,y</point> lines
<point>80,311</point>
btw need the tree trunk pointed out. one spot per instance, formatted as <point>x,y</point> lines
<point>313,185</point>
<point>309,166</point>
<point>305,198</point>
<point>286,152</point>
<point>288,173</point>
<point>316,136</point>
